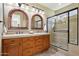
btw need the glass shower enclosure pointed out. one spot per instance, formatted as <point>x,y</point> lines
<point>65,29</point>
<point>59,30</point>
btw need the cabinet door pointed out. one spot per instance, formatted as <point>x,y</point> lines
<point>12,50</point>
<point>27,52</point>
<point>38,40</point>
<point>38,48</point>
<point>27,46</point>
<point>46,41</point>
<point>28,43</point>
<point>10,47</point>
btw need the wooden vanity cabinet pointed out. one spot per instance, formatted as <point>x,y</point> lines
<point>25,46</point>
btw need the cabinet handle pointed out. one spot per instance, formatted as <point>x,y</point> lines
<point>12,44</point>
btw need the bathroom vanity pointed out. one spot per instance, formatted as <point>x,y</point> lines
<point>25,44</point>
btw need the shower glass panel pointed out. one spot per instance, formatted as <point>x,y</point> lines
<point>61,31</point>
<point>73,27</point>
<point>60,40</point>
<point>51,24</point>
<point>62,22</point>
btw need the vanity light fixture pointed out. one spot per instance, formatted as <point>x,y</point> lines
<point>19,4</point>
<point>16,4</point>
<point>36,10</point>
<point>40,11</point>
<point>33,9</point>
<point>22,6</point>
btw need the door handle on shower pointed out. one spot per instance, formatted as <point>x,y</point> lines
<point>1,21</point>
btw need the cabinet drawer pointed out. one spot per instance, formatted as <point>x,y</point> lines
<point>12,51</point>
<point>27,52</point>
<point>38,43</point>
<point>38,40</point>
<point>46,37</point>
<point>27,39</point>
<point>11,45</point>
<point>27,45</point>
<point>10,41</point>
<point>38,49</point>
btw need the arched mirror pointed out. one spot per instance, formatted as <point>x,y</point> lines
<point>37,22</point>
<point>18,19</point>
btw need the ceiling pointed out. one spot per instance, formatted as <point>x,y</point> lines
<point>55,6</point>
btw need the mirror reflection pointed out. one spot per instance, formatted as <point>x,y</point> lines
<point>19,19</point>
<point>37,22</point>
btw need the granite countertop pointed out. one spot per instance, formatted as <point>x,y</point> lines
<point>6,36</point>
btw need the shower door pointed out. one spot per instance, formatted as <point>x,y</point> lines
<point>73,18</point>
<point>61,31</point>
<point>50,27</point>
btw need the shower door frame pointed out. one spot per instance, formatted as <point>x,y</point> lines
<point>77,25</point>
<point>68,25</point>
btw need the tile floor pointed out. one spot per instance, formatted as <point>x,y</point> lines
<point>51,52</point>
<point>73,50</point>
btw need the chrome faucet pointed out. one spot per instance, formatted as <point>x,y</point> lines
<point>18,32</point>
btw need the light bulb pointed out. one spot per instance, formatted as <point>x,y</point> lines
<point>23,6</point>
<point>36,11</point>
<point>40,11</point>
<point>43,12</point>
<point>33,9</point>
<point>27,7</point>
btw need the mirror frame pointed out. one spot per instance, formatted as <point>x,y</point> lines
<point>10,16</point>
<point>34,22</point>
